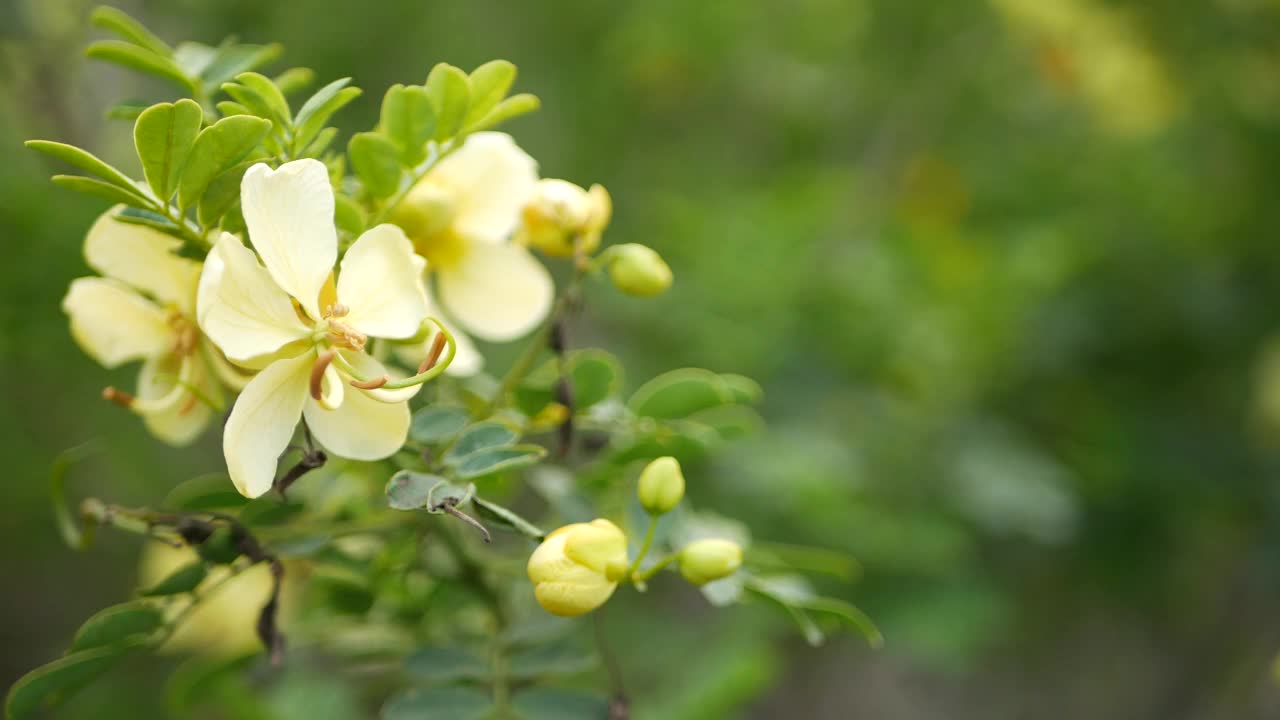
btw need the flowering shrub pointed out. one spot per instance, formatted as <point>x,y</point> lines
<point>381,489</point>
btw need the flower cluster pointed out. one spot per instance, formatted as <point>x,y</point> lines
<point>290,325</point>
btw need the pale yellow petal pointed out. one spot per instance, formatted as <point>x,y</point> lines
<point>361,428</point>
<point>498,292</point>
<point>181,422</point>
<point>380,282</point>
<point>241,309</point>
<point>142,258</point>
<point>262,422</point>
<point>289,214</point>
<point>114,324</point>
<point>490,179</point>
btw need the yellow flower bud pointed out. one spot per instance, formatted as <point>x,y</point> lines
<point>702,561</point>
<point>562,214</point>
<point>638,270</point>
<point>577,567</point>
<point>661,485</point>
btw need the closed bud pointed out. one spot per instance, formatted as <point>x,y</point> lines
<point>563,219</point>
<point>638,270</point>
<point>702,561</point>
<point>577,567</point>
<point>661,485</point>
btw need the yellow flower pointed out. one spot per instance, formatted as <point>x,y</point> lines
<point>702,561</point>
<point>143,308</point>
<point>563,219</point>
<point>281,309</point>
<point>577,567</point>
<point>460,216</point>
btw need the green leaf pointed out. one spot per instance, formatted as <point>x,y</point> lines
<point>438,423</point>
<point>163,136</point>
<point>319,144</point>
<point>450,91</point>
<point>512,107</point>
<point>98,189</point>
<point>118,22</point>
<point>219,148</point>
<point>262,87</point>
<point>503,517</point>
<point>119,624</point>
<point>731,422</point>
<point>229,61</point>
<point>317,110</point>
<point>595,376</point>
<point>409,121</point>
<point>142,216</point>
<point>684,439</point>
<point>140,59</point>
<point>348,215</point>
<point>50,683</point>
<point>199,679</point>
<point>407,490</point>
<point>438,665</point>
<point>489,85</point>
<point>294,80</point>
<point>680,393</point>
<point>543,703</point>
<point>227,108</point>
<point>498,459</point>
<point>68,527</point>
<point>479,436</point>
<point>550,660</point>
<point>376,162</point>
<point>86,161</point>
<point>744,389</point>
<point>206,492</point>
<point>222,194</point>
<point>440,703</point>
<point>219,548</point>
<point>126,110</point>
<point>184,579</point>
<point>269,511</point>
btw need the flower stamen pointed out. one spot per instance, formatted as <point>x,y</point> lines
<point>317,373</point>
<point>119,397</point>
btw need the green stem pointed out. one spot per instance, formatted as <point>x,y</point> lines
<point>644,547</point>
<point>639,578</point>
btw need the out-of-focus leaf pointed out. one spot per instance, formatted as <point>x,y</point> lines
<point>498,459</point>
<point>489,85</point>
<point>119,22</point>
<point>118,625</point>
<point>222,194</point>
<point>198,680</point>
<point>205,492</point>
<point>482,435</point>
<point>438,423</point>
<point>98,189</point>
<point>376,162</point>
<point>437,665</point>
<point>57,680</point>
<point>231,60</point>
<point>348,215</point>
<point>450,92</point>
<point>184,579</point>
<point>439,703</point>
<point>269,511</point>
<point>294,80</point>
<point>141,59</point>
<point>411,490</point>
<point>68,527</point>
<point>408,119</point>
<point>512,107</point>
<point>541,703</point>
<point>501,516</point>
<point>317,110</point>
<point>550,660</point>
<point>594,374</point>
<point>680,393</point>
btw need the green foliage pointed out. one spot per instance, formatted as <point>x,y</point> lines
<point>442,703</point>
<point>163,136</point>
<point>50,683</point>
<point>218,149</point>
<point>183,580</point>
<point>125,624</point>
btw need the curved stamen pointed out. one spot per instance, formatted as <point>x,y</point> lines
<point>317,373</point>
<point>421,377</point>
<point>371,384</point>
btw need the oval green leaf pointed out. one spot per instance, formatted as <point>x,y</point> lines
<point>118,625</point>
<point>438,423</point>
<point>440,703</point>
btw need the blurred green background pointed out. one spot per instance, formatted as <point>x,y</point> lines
<point>1007,271</point>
